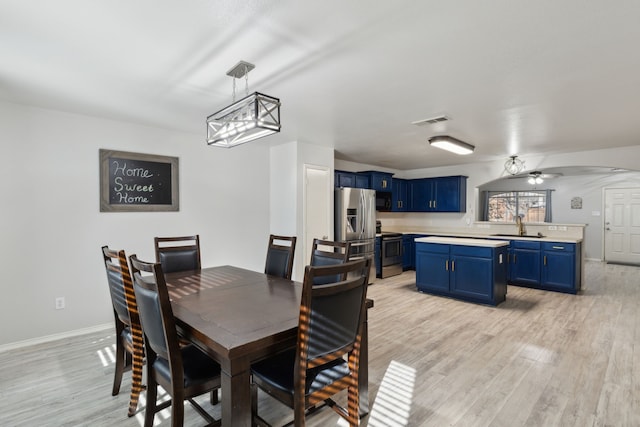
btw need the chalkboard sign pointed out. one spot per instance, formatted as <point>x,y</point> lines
<point>131,182</point>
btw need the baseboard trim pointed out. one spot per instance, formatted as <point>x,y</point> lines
<point>54,337</point>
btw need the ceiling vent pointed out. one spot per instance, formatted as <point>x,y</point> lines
<point>431,121</point>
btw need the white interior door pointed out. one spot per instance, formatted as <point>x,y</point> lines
<point>318,207</point>
<point>622,225</point>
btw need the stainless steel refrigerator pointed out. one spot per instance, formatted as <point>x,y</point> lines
<point>355,220</point>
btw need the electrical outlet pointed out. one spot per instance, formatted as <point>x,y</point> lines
<point>553,227</point>
<point>59,303</point>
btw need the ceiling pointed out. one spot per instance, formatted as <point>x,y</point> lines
<point>514,77</point>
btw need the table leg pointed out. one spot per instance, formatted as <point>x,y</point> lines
<point>363,374</point>
<point>236,396</point>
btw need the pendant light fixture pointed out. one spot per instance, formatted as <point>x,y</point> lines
<point>452,144</point>
<point>252,117</point>
<point>514,165</point>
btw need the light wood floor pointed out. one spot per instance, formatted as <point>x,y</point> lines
<point>539,359</point>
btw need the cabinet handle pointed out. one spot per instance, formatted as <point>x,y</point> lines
<point>434,204</point>
<point>384,183</point>
<point>544,260</point>
<point>446,265</point>
<point>558,247</point>
<point>514,258</point>
<point>453,266</point>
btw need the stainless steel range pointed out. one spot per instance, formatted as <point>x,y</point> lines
<point>390,252</point>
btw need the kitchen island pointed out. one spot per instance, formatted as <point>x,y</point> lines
<point>473,270</point>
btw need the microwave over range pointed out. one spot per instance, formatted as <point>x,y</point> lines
<point>383,200</point>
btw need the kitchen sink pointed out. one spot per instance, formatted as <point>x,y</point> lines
<point>538,236</point>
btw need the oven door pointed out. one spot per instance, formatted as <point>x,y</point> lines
<point>391,251</point>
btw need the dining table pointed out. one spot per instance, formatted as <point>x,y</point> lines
<point>238,317</point>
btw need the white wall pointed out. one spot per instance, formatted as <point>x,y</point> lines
<point>52,229</point>
<point>287,186</point>
<point>284,188</point>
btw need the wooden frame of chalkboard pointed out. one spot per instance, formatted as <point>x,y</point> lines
<point>135,182</point>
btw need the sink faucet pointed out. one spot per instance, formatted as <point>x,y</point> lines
<point>520,225</point>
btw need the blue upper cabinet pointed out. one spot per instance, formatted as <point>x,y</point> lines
<point>379,181</point>
<point>362,181</point>
<point>450,194</point>
<point>442,194</point>
<point>344,179</point>
<point>350,179</point>
<point>400,200</point>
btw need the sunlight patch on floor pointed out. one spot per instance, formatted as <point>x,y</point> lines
<point>537,353</point>
<point>392,406</point>
<point>107,355</point>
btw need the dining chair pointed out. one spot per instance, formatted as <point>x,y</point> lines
<point>178,253</point>
<point>280,254</point>
<point>129,346</point>
<point>328,252</point>
<point>330,327</point>
<point>184,372</point>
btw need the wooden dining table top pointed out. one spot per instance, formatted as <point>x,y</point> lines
<point>232,310</point>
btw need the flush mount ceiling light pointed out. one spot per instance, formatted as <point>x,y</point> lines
<point>514,165</point>
<point>535,178</point>
<point>254,116</point>
<point>449,143</point>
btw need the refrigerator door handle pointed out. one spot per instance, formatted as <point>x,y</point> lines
<point>362,215</point>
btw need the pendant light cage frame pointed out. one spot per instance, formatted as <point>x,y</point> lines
<point>252,117</point>
<point>514,165</point>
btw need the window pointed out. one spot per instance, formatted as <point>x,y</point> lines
<point>505,206</point>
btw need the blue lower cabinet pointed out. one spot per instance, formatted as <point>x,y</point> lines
<point>524,262</point>
<point>470,273</point>
<point>551,266</point>
<point>560,271</point>
<point>432,267</point>
<point>408,252</point>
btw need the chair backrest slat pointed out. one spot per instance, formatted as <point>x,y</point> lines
<point>280,253</point>
<point>327,252</point>
<point>120,285</point>
<point>180,253</point>
<point>154,306</point>
<point>331,313</point>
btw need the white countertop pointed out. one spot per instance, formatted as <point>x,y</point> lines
<point>463,241</point>
<point>487,236</point>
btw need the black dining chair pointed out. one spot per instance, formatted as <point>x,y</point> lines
<point>328,252</point>
<point>330,327</point>
<point>129,345</point>
<point>180,253</point>
<point>184,372</point>
<point>280,254</point>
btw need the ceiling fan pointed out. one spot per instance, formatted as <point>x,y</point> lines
<point>536,174</point>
